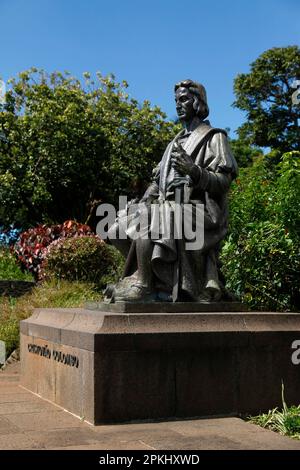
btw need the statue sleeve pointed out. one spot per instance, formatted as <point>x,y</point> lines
<point>219,167</point>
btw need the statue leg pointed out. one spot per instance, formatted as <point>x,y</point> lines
<point>212,290</point>
<point>139,287</point>
<point>123,245</point>
<point>144,248</point>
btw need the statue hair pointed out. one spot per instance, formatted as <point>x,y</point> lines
<point>200,97</point>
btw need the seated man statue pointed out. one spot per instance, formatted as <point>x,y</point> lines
<point>196,170</point>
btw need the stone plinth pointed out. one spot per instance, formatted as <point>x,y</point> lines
<point>167,307</point>
<point>110,367</point>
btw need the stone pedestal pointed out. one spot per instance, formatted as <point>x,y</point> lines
<point>116,366</point>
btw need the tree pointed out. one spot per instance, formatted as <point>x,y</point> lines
<point>69,145</point>
<point>265,93</point>
<point>244,153</point>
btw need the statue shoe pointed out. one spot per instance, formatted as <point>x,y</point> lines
<point>211,293</point>
<point>135,293</point>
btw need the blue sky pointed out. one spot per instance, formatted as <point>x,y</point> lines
<point>151,44</point>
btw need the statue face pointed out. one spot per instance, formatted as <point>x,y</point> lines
<point>184,104</point>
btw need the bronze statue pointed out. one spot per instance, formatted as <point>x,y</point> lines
<point>196,170</point>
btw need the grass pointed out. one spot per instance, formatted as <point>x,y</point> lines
<point>285,421</point>
<point>56,294</point>
<point>9,270</point>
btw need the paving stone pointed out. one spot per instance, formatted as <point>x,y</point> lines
<point>44,420</point>
<point>49,427</point>
<point>6,427</point>
<point>112,445</point>
<point>18,397</point>
<point>16,442</point>
<point>24,407</point>
<point>7,387</point>
<point>65,437</point>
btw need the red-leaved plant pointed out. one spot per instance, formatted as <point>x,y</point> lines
<point>31,246</point>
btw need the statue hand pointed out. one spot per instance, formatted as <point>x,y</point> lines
<point>178,182</point>
<point>181,161</point>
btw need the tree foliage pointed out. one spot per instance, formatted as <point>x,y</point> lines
<point>261,256</point>
<point>70,144</point>
<point>265,94</point>
<point>243,152</point>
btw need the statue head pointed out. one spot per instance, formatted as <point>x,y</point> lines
<point>191,100</point>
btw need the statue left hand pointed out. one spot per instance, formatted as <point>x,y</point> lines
<point>181,161</point>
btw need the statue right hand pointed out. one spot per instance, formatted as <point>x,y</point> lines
<point>178,181</point>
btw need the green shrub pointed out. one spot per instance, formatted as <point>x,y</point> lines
<point>115,268</point>
<point>9,269</point>
<point>261,266</point>
<point>261,256</point>
<point>285,421</point>
<point>86,258</point>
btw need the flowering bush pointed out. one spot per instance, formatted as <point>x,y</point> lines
<point>32,244</point>
<point>84,258</point>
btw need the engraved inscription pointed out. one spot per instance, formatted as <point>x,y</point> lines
<point>58,356</point>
